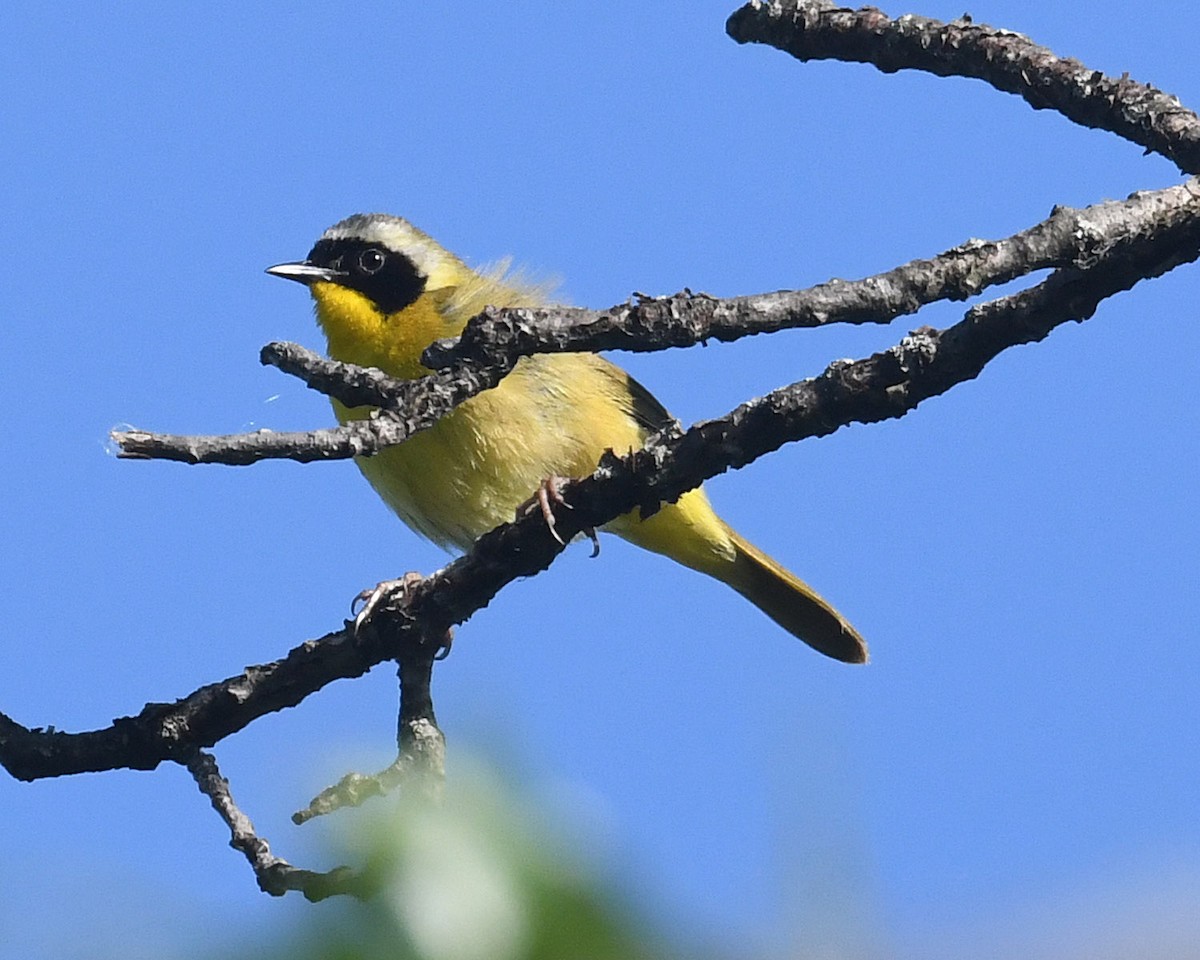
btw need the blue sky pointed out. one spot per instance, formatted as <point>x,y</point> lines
<point>1014,774</point>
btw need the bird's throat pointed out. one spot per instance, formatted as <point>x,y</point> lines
<point>358,332</point>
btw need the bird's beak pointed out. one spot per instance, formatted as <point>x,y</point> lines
<point>305,272</point>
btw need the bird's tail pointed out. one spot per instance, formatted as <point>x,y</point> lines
<point>792,603</point>
<point>690,532</point>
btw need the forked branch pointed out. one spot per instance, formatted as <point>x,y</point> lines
<point>1092,253</point>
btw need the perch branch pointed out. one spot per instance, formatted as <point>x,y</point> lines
<point>883,386</point>
<point>492,343</point>
<point>275,875</point>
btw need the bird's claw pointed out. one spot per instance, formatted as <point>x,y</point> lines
<point>444,648</point>
<point>548,492</point>
<point>547,495</point>
<point>372,597</point>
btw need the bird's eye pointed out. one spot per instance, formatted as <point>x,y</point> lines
<point>371,261</point>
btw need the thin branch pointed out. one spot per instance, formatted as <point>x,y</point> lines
<point>420,402</point>
<point>275,875</point>
<point>355,789</point>
<point>421,758</point>
<point>352,385</point>
<point>360,438</point>
<point>411,405</point>
<point>1068,236</point>
<point>492,342</point>
<point>1006,60</point>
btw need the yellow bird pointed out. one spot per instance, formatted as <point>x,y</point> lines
<point>385,291</point>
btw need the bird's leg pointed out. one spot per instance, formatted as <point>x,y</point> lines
<point>371,598</point>
<point>547,494</point>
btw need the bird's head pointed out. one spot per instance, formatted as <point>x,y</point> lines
<point>384,290</point>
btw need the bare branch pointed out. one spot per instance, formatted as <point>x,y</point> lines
<point>880,387</point>
<point>420,402</point>
<point>494,341</point>
<point>169,731</point>
<point>275,875</point>
<point>1094,253</point>
<point>817,30</point>
<point>421,758</point>
<point>411,405</point>
<point>1068,236</point>
<point>355,789</point>
<point>352,385</point>
<point>361,438</point>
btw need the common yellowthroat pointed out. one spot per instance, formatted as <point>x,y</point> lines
<point>385,291</point>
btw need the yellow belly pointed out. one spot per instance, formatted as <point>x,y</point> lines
<point>552,416</point>
<point>470,471</point>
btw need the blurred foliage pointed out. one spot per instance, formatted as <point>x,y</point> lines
<point>485,874</point>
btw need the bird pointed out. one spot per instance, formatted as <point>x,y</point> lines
<point>383,291</point>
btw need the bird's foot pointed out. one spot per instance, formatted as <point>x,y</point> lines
<point>373,597</point>
<point>547,495</point>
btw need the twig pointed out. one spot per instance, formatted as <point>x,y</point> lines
<point>409,406</point>
<point>492,343</point>
<point>275,875</point>
<point>421,758</point>
<point>1006,60</point>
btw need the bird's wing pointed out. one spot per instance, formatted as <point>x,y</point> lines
<point>646,409</point>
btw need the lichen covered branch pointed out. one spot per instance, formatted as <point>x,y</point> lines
<point>1008,61</point>
<point>492,343</point>
<point>883,386</point>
